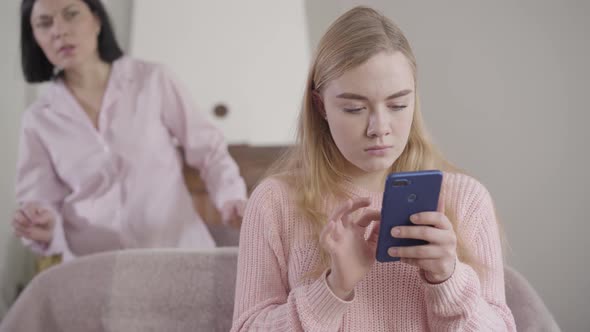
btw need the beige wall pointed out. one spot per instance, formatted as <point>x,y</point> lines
<point>15,264</point>
<point>504,91</point>
<point>120,12</point>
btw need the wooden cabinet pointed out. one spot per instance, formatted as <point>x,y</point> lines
<point>253,162</point>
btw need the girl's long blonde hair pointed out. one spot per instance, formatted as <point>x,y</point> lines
<point>314,166</point>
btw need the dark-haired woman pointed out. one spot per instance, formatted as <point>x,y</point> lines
<point>99,167</point>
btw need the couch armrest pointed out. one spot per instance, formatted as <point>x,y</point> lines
<point>528,309</point>
<point>132,290</point>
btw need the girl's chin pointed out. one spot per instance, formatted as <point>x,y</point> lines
<point>375,167</point>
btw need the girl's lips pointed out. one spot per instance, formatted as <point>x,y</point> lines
<point>378,150</point>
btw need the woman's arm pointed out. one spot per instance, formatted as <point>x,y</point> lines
<point>38,184</point>
<point>204,144</point>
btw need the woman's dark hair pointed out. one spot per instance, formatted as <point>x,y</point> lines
<point>36,66</point>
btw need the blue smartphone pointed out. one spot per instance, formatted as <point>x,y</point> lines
<point>405,194</point>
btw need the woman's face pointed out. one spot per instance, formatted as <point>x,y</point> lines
<point>369,110</point>
<point>66,30</point>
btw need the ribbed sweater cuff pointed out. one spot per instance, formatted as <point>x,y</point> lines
<point>456,295</point>
<point>324,305</point>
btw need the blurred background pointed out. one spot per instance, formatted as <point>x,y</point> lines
<point>504,88</point>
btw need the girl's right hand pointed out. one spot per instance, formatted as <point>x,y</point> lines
<point>352,256</point>
<point>35,223</point>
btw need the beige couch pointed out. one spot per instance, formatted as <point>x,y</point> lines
<point>172,290</point>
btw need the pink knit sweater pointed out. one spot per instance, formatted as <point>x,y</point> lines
<point>276,253</point>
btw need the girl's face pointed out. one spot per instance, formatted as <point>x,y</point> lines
<point>369,110</point>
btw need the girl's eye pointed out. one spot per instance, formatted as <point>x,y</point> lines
<point>397,107</point>
<point>353,110</point>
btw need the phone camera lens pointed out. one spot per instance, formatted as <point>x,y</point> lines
<point>401,183</point>
<point>412,198</point>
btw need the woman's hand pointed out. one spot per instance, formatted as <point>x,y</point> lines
<point>35,223</point>
<point>437,258</point>
<point>232,212</point>
<point>352,256</point>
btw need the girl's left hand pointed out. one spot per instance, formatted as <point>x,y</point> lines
<point>437,258</point>
<point>232,212</point>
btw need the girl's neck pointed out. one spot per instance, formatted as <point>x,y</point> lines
<point>372,182</point>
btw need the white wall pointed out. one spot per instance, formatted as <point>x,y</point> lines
<point>504,90</point>
<point>15,262</point>
<point>250,55</point>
